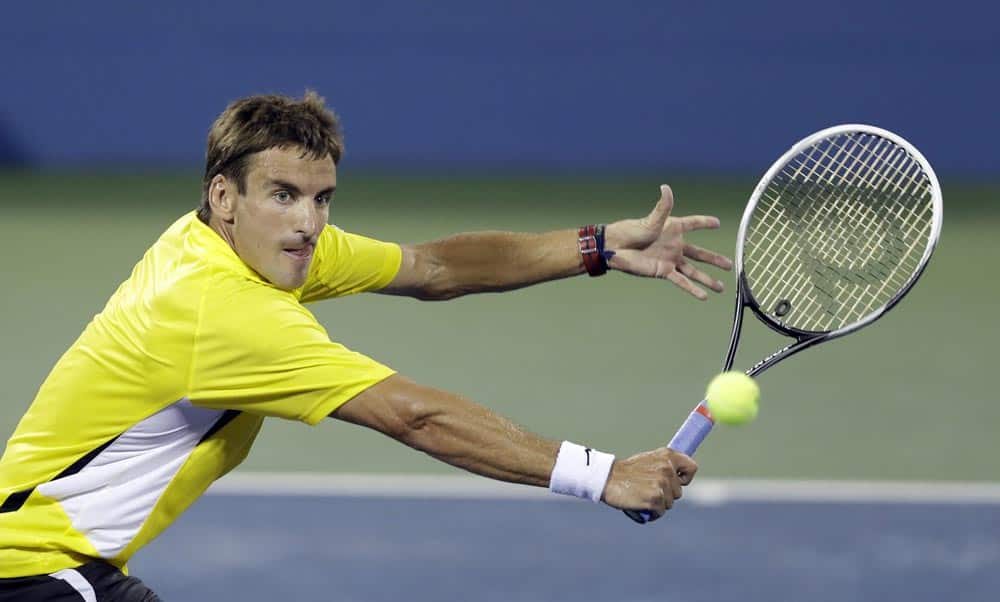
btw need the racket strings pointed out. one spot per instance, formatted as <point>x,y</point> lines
<point>838,232</point>
<point>839,160</point>
<point>802,167</point>
<point>906,252</point>
<point>812,162</point>
<point>870,235</point>
<point>800,276</point>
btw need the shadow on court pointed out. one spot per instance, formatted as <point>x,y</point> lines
<point>375,549</point>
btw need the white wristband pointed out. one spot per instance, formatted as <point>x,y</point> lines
<point>580,471</point>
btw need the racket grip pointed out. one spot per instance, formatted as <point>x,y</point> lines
<point>698,425</point>
<point>686,440</point>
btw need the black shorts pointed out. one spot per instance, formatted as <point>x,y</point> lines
<point>93,582</point>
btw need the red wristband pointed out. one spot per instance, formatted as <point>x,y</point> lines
<point>591,241</point>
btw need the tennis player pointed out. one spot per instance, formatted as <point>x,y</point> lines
<point>167,387</point>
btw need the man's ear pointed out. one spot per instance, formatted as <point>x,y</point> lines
<point>222,197</point>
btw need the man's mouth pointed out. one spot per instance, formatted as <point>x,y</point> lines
<point>304,252</point>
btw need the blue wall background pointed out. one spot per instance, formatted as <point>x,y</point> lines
<point>580,84</point>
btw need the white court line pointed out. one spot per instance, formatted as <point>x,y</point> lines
<point>703,492</point>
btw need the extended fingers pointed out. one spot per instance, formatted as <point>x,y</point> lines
<point>699,222</point>
<point>682,281</point>
<point>697,275</point>
<point>657,218</point>
<point>705,256</point>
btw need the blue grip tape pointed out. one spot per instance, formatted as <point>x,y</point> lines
<point>692,432</point>
<point>686,440</point>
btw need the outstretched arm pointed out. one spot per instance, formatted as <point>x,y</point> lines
<point>652,246</point>
<point>462,433</point>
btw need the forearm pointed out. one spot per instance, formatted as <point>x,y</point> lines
<point>453,429</point>
<point>498,261</point>
<point>476,439</point>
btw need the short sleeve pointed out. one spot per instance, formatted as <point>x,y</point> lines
<point>347,263</point>
<point>258,350</point>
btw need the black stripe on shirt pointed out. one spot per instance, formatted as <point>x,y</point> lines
<point>223,420</point>
<point>15,500</point>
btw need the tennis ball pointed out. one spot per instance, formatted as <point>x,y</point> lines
<point>732,398</point>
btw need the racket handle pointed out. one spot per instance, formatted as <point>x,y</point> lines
<point>698,425</point>
<point>686,440</point>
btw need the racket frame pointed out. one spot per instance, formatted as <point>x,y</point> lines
<point>804,339</point>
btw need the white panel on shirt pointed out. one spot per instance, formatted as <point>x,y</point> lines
<point>110,499</point>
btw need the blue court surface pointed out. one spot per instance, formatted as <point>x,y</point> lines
<point>367,544</point>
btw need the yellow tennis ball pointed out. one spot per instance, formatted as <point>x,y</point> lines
<point>732,398</point>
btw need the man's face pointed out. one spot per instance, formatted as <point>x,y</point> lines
<point>276,224</point>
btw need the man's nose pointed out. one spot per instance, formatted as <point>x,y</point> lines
<point>306,218</point>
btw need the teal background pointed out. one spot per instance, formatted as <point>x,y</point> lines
<point>616,362</point>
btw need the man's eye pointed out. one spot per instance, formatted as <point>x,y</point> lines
<point>323,200</point>
<point>282,196</point>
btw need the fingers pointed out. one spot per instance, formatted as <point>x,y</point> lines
<point>661,211</point>
<point>684,466</point>
<point>678,470</point>
<point>672,486</point>
<point>688,223</point>
<point>705,256</point>
<point>682,281</point>
<point>699,222</point>
<point>671,489</point>
<point>666,203</point>
<point>676,487</point>
<point>697,275</point>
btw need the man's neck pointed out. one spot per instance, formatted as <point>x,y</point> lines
<point>223,229</point>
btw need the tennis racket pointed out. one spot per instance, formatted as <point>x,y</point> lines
<point>835,234</point>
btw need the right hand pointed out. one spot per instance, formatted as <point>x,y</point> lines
<point>649,481</point>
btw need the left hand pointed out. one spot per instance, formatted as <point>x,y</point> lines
<point>654,247</point>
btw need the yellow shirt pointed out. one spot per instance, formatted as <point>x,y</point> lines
<point>166,389</point>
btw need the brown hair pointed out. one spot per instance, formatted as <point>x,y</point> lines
<point>256,123</point>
